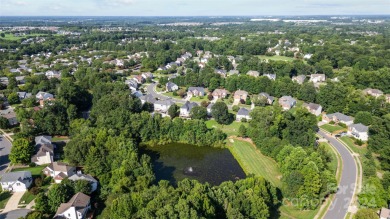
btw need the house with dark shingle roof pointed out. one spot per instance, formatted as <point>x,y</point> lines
<point>16,181</point>
<point>243,113</point>
<point>86,177</point>
<point>338,117</point>
<point>185,110</point>
<point>287,102</point>
<point>270,99</point>
<point>170,86</point>
<point>76,208</point>
<point>313,108</point>
<point>196,91</point>
<point>358,131</point>
<point>44,150</point>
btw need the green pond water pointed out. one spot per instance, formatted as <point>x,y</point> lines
<point>174,162</point>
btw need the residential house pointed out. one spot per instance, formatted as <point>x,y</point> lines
<point>20,79</point>
<point>53,74</point>
<point>76,208</point>
<point>299,79</point>
<point>59,171</point>
<point>147,99</point>
<point>316,78</point>
<point>221,72</point>
<point>270,76</point>
<point>137,93</point>
<point>287,102</point>
<point>270,99</point>
<point>139,79</point>
<point>44,150</point>
<point>4,80</point>
<point>220,94</point>
<point>373,92</point>
<point>170,86</point>
<point>384,213</point>
<point>313,108</point>
<point>18,181</point>
<point>233,72</point>
<point>209,109</point>
<point>147,75</point>
<point>243,113</point>
<point>133,84</point>
<point>11,117</point>
<point>44,96</point>
<point>338,117</point>
<point>196,91</point>
<point>253,73</point>
<point>358,131</point>
<point>171,65</point>
<point>23,95</point>
<point>240,95</point>
<point>307,56</point>
<point>185,110</point>
<point>86,177</point>
<point>163,105</point>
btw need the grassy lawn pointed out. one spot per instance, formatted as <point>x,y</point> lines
<point>59,138</point>
<point>26,198</point>
<point>4,197</point>
<point>35,171</point>
<point>355,148</point>
<point>230,130</point>
<point>254,162</point>
<point>12,37</point>
<point>277,58</point>
<point>199,99</point>
<point>288,212</point>
<point>333,128</point>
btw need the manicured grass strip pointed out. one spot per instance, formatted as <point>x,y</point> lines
<point>35,171</point>
<point>292,212</point>
<point>332,128</point>
<point>26,198</point>
<point>4,197</point>
<point>230,130</point>
<point>253,162</point>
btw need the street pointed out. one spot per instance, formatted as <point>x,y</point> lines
<point>5,149</point>
<point>346,188</point>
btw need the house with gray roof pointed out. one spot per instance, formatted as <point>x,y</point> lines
<point>338,117</point>
<point>44,95</point>
<point>170,86</point>
<point>253,73</point>
<point>23,95</point>
<point>44,150</point>
<point>162,105</point>
<point>86,177</point>
<point>196,91</point>
<point>59,171</point>
<point>373,92</point>
<point>185,110</point>
<point>147,99</point>
<point>316,78</point>
<point>270,99</point>
<point>313,108</point>
<point>76,208</point>
<point>299,79</point>
<point>270,76</point>
<point>287,102</point>
<point>243,113</point>
<point>16,181</point>
<point>358,131</point>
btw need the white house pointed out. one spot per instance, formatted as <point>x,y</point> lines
<point>315,78</point>
<point>243,113</point>
<point>253,73</point>
<point>76,208</point>
<point>358,131</point>
<point>270,76</point>
<point>163,105</point>
<point>16,181</point>
<point>170,86</point>
<point>185,110</point>
<point>59,171</point>
<point>44,150</point>
<point>89,178</point>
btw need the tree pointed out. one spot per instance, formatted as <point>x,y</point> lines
<point>198,112</point>
<point>4,123</point>
<point>366,213</point>
<point>363,117</point>
<point>242,131</point>
<point>13,98</point>
<point>83,186</point>
<point>59,193</point>
<point>21,151</point>
<point>220,113</point>
<point>173,111</point>
<point>35,215</point>
<point>248,101</point>
<point>41,203</point>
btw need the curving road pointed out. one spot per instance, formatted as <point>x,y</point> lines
<point>346,188</point>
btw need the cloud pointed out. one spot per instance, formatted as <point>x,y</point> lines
<point>118,2</point>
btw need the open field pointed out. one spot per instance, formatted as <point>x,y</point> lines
<point>333,128</point>
<point>254,162</point>
<point>277,58</point>
<point>12,37</point>
<point>230,130</point>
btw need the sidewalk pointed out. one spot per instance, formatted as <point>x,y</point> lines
<point>13,202</point>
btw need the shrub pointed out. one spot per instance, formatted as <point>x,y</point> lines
<point>359,142</point>
<point>243,120</point>
<point>175,93</point>
<point>331,122</point>
<point>236,108</point>
<point>342,125</point>
<point>38,182</point>
<point>32,164</point>
<point>35,190</point>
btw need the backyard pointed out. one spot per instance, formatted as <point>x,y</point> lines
<point>35,171</point>
<point>230,130</point>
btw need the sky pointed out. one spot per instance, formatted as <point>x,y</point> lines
<point>192,7</point>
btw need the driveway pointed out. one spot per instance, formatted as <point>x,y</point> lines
<point>15,214</point>
<point>13,202</point>
<point>5,149</point>
<point>346,189</point>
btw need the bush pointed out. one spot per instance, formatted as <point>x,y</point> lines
<point>175,93</point>
<point>32,164</point>
<point>342,125</point>
<point>331,122</point>
<point>359,142</point>
<point>38,182</point>
<point>236,108</point>
<point>35,190</point>
<point>210,97</point>
<point>244,120</point>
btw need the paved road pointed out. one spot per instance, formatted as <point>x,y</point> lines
<point>5,149</point>
<point>15,214</point>
<point>344,196</point>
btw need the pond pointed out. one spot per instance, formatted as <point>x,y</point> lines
<point>174,162</point>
